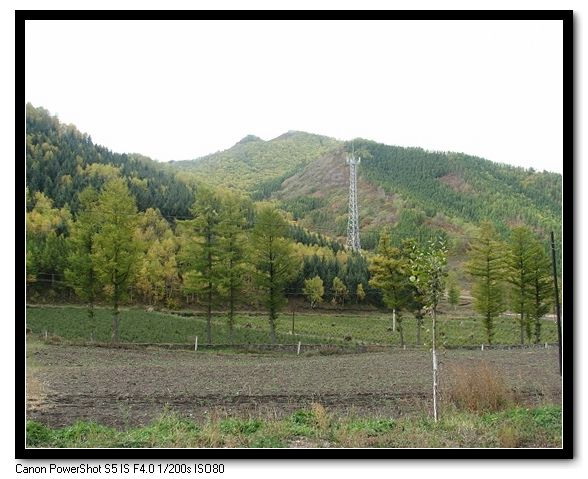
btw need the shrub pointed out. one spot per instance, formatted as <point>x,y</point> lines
<point>477,388</point>
<point>38,435</point>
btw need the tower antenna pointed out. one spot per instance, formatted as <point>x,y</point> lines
<point>353,242</point>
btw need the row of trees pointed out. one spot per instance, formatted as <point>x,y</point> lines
<point>224,257</point>
<point>111,245</point>
<point>514,274</point>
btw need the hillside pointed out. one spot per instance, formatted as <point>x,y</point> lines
<point>61,161</point>
<point>253,163</point>
<point>420,193</point>
<point>417,192</point>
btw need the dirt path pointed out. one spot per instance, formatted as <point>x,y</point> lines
<point>130,387</point>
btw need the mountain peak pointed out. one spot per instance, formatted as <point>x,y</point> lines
<point>248,139</point>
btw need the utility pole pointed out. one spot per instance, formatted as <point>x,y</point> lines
<point>557,307</point>
<point>353,219</point>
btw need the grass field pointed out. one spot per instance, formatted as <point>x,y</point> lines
<point>315,427</point>
<point>71,323</point>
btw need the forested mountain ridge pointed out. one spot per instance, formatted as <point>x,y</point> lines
<point>252,162</point>
<point>76,191</point>
<point>61,161</point>
<point>415,192</point>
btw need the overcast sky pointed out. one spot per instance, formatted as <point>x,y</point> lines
<point>179,90</point>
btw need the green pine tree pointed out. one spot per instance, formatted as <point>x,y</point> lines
<point>486,266</point>
<point>115,250</point>
<point>274,261</point>
<point>519,260</point>
<point>201,252</point>
<point>232,266</point>
<point>81,271</point>
<point>390,274</point>
<point>541,287</point>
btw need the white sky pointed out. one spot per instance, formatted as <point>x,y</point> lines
<point>179,90</point>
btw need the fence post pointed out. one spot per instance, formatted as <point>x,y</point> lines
<point>196,344</point>
<point>298,352</point>
<point>557,307</point>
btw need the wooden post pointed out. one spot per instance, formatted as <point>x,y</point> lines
<point>196,344</point>
<point>298,352</point>
<point>435,414</point>
<point>482,348</point>
<point>393,320</point>
<point>557,308</point>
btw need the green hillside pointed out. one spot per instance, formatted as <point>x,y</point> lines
<point>61,161</point>
<point>253,164</point>
<point>420,194</point>
<point>415,192</point>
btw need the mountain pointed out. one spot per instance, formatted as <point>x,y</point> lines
<point>421,193</point>
<point>415,192</point>
<point>252,162</point>
<point>61,161</point>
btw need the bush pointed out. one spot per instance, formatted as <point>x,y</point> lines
<point>38,434</point>
<point>477,388</point>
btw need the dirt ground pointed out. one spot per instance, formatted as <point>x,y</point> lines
<point>125,388</point>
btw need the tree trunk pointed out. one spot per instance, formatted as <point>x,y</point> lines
<point>115,323</point>
<point>401,331</point>
<point>272,322</point>
<point>208,323</point>
<point>91,321</point>
<point>522,322</point>
<point>231,314</point>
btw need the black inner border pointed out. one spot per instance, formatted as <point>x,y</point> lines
<point>567,19</point>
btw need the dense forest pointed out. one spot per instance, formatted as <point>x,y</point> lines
<point>61,162</point>
<point>465,187</point>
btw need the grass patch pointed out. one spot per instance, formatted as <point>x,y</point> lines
<point>240,426</point>
<point>314,427</point>
<point>71,323</point>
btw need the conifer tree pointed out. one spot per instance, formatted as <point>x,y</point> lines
<point>519,260</point>
<point>115,249</point>
<point>81,271</point>
<point>232,266</point>
<point>390,274</point>
<point>201,253</point>
<point>541,287</point>
<point>274,261</point>
<point>486,266</point>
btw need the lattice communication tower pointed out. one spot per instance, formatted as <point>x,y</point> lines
<point>353,221</point>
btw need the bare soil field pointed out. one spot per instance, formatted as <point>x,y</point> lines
<point>126,388</point>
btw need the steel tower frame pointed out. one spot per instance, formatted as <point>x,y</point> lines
<point>353,219</point>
